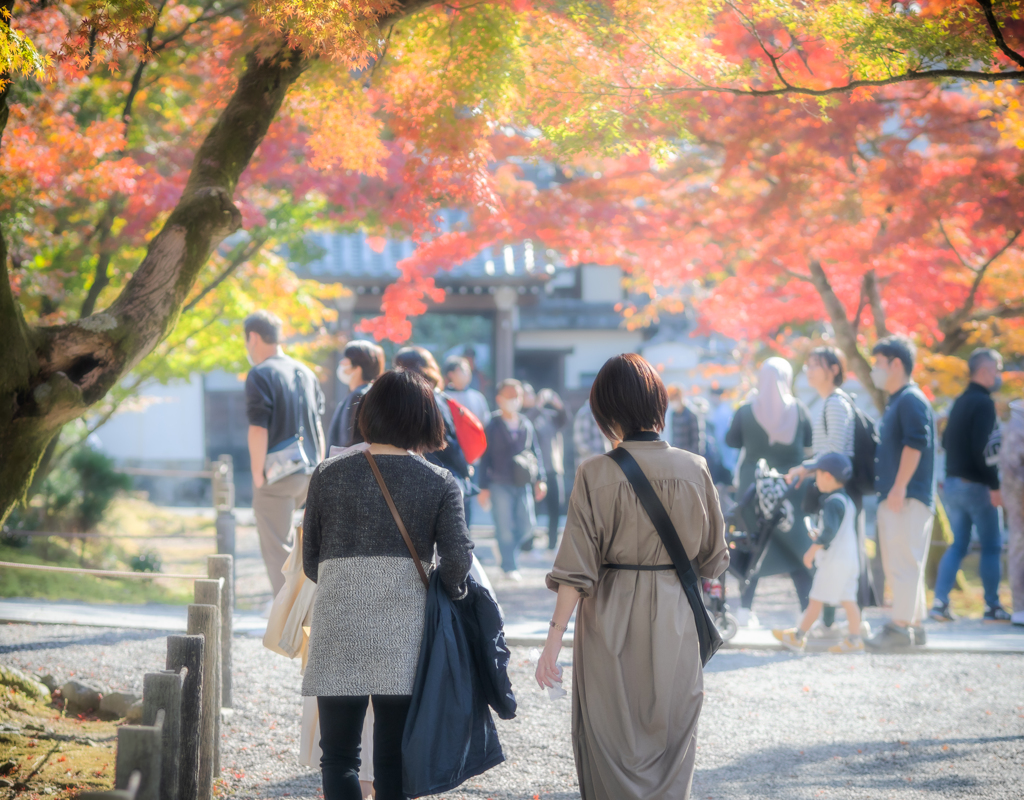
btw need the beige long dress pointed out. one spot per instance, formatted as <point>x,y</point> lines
<point>637,685</point>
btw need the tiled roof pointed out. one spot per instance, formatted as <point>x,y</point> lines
<point>349,258</point>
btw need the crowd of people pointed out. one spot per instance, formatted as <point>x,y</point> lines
<point>430,435</point>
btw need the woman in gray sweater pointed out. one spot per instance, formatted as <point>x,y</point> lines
<point>368,616</point>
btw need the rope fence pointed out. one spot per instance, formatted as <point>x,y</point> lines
<point>66,535</point>
<point>102,573</point>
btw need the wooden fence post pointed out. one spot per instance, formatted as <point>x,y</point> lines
<point>161,691</point>
<point>223,567</point>
<point>128,793</point>
<point>205,619</point>
<point>186,652</point>
<point>138,748</point>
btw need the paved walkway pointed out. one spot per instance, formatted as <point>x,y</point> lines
<point>527,606</point>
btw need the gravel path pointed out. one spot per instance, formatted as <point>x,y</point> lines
<point>774,725</point>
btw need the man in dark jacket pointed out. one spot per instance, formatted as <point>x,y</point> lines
<point>971,492</point>
<point>282,399</point>
<point>502,482</point>
<point>547,413</point>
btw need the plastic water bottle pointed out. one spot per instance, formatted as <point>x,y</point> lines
<point>556,691</point>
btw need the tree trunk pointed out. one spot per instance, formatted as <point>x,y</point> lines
<point>846,335</point>
<point>51,375</point>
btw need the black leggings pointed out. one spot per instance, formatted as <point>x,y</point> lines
<point>341,729</point>
<point>802,581</point>
<point>553,505</point>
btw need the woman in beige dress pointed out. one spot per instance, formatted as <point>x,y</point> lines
<point>638,684</point>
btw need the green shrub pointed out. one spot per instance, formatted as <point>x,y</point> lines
<point>74,496</point>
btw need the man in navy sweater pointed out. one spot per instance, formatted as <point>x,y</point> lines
<point>971,492</point>
<point>904,463</point>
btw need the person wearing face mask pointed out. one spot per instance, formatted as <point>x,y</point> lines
<point>1011,466</point>
<point>971,492</point>
<point>361,363</point>
<point>283,400</point>
<point>904,466</point>
<point>688,430</point>
<point>512,444</point>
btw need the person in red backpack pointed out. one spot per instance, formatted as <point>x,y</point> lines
<point>451,457</point>
<point>457,375</point>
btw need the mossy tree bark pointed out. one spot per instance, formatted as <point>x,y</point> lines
<point>51,375</point>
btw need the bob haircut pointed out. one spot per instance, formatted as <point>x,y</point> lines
<point>367,356</point>
<point>419,359</point>
<point>829,357</point>
<point>628,396</point>
<point>400,410</point>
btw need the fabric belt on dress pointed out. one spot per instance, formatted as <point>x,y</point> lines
<point>642,567</point>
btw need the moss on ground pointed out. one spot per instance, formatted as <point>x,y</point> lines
<point>44,753</point>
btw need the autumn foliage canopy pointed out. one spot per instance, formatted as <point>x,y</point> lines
<point>774,163</point>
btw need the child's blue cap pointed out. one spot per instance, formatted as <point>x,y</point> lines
<point>836,464</point>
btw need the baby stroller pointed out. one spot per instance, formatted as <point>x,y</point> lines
<point>771,497</point>
<point>714,601</point>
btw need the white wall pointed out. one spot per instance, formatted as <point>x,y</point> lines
<point>590,348</point>
<point>601,284</point>
<point>165,423</point>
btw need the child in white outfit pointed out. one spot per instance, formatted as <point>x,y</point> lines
<point>836,555</point>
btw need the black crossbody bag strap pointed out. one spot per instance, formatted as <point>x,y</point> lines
<point>710,639</point>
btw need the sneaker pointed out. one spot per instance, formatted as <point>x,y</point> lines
<point>746,618</point>
<point>820,631</point>
<point>940,612</point>
<point>850,644</point>
<point>515,576</point>
<point>891,639</point>
<point>996,614</point>
<point>920,635</point>
<point>791,642</point>
<point>1017,618</point>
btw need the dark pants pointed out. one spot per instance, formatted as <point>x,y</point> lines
<point>341,730</point>
<point>969,505</point>
<point>802,580</point>
<point>553,507</point>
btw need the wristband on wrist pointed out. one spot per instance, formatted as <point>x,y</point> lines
<point>557,627</point>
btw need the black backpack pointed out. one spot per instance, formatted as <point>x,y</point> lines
<point>865,442</point>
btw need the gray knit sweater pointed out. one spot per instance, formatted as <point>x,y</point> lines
<point>368,616</point>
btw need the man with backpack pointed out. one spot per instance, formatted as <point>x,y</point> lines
<point>904,467</point>
<point>283,403</point>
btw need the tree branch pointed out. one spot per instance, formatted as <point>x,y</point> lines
<point>791,89</point>
<point>953,321</point>
<point>105,248</point>
<point>845,333</point>
<point>252,247</point>
<point>997,34</point>
<point>952,247</point>
<point>205,16</point>
<point>874,297</point>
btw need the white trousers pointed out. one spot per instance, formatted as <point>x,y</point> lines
<point>904,539</point>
